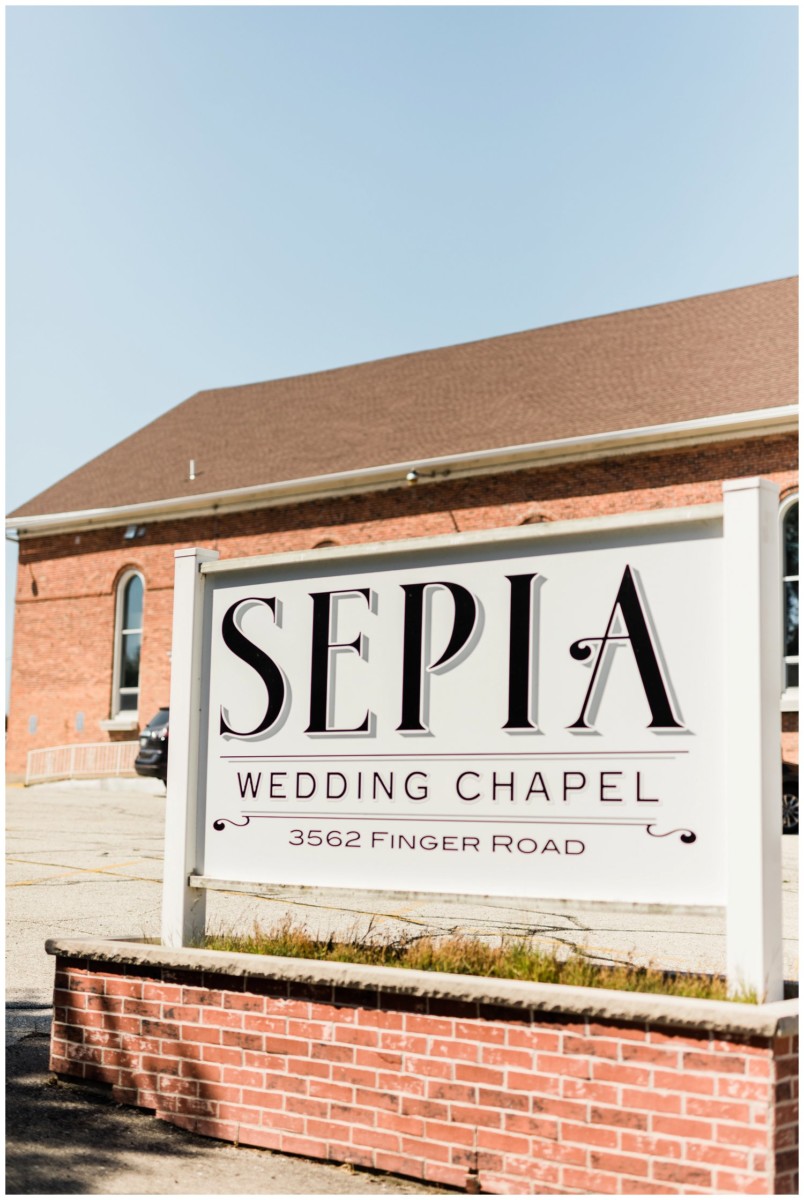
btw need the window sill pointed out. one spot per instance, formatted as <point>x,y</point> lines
<point>789,701</point>
<point>121,724</point>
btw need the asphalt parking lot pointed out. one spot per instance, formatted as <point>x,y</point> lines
<point>87,860</point>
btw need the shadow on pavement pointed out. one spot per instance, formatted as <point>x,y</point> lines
<point>68,1139</point>
<point>62,1140</point>
<point>25,1017</point>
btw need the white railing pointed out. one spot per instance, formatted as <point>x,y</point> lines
<point>90,760</point>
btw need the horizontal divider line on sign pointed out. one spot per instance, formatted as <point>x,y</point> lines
<point>520,754</point>
<point>462,820</point>
<point>686,835</point>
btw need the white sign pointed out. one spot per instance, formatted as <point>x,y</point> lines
<point>507,720</point>
<point>539,712</point>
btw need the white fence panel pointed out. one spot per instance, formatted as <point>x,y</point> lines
<point>89,760</point>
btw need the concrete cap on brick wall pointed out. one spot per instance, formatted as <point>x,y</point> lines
<point>723,1016</point>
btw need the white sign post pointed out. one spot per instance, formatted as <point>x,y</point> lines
<point>184,908</point>
<point>586,710</point>
<point>753,669</point>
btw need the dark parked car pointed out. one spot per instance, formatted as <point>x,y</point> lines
<point>152,759</point>
<point>789,798</point>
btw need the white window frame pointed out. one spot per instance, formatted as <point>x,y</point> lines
<point>789,701</point>
<point>123,719</point>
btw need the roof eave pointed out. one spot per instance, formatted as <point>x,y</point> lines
<point>756,423</point>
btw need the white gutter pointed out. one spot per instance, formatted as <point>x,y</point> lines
<point>761,422</point>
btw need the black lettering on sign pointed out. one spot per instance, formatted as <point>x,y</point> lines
<point>258,660</point>
<point>413,666</point>
<point>637,634</point>
<point>520,653</point>
<point>249,784</point>
<point>322,699</point>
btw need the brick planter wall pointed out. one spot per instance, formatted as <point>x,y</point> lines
<point>512,1087</point>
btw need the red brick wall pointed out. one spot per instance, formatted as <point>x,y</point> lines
<point>786,1115</point>
<point>440,1090</point>
<point>64,625</point>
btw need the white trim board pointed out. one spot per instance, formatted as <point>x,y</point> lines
<point>640,440</point>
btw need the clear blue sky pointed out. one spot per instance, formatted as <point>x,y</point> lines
<point>209,196</point>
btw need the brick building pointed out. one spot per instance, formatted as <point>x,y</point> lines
<point>651,408</point>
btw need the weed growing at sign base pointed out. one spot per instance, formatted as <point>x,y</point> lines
<point>512,958</point>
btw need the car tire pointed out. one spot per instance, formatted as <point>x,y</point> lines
<point>790,809</point>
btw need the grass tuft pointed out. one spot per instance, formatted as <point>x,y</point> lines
<point>508,958</point>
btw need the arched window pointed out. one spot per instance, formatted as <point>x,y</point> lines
<point>789,516</point>
<point>128,642</point>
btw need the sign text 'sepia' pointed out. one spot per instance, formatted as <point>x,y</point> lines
<point>627,627</point>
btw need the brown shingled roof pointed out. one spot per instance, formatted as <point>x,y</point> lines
<point>708,356</point>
